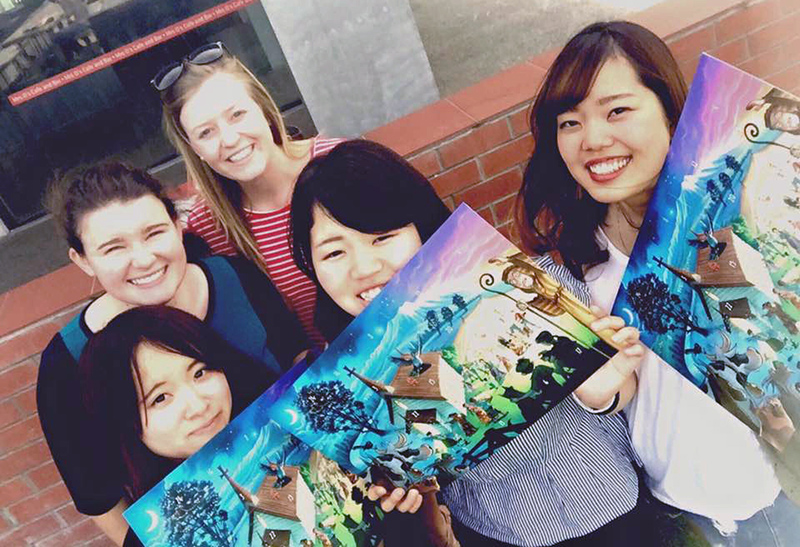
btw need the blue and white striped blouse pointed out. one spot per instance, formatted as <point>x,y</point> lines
<point>567,475</point>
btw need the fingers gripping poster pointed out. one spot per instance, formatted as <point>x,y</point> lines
<point>464,348</point>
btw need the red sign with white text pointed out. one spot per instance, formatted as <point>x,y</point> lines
<point>126,51</point>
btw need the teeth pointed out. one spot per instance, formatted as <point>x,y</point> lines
<point>149,278</point>
<point>241,154</point>
<point>370,294</point>
<point>608,167</point>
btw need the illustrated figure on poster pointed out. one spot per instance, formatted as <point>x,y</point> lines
<point>418,367</point>
<point>550,296</point>
<point>783,112</point>
<point>276,470</point>
<point>771,309</point>
<point>706,239</point>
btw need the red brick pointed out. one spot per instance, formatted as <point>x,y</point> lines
<point>17,378</point>
<point>520,122</point>
<point>688,68</point>
<point>31,532</point>
<point>544,60</point>
<point>101,541</point>
<point>76,535</point>
<point>504,209</point>
<point>5,526</point>
<point>70,515</point>
<point>44,296</point>
<point>13,491</point>
<point>747,20</point>
<point>22,460</point>
<point>24,345</point>
<point>426,163</point>
<point>44,476</point>
<point>787,79</point>
<point>507,156</point>
<point>487,215</point>
<point>422,128</point>
<point>8,413</point>
<point>773,60</point>
<point>775,34</point>
<point>691,45</point>
<point>501,92</point>
<point>733,52</point>
<point>20,434</point>
<point>456,179</point>
<point>475,142</point>
<point>451,204</point>
<point>26,401</point>
<point>491,190</point>
<point>41,503</point>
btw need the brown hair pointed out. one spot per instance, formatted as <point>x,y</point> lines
<point>223,196</point>
<point>552,214</point>
<point>85,189</point>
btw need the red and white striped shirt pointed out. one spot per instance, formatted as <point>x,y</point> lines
<point>271,231</point>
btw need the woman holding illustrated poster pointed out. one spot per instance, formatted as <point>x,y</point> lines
<point>358,215</point>
<point>233,141</point>
<point>602,124</point>
<point>123,231</point>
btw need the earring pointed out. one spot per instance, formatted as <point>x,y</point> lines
<point>578,192</point>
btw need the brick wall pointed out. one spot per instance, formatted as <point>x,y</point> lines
<point>482,164</point>
<point>472,145</point>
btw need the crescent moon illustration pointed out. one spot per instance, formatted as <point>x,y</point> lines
<point>153,520</point>
<point>628,316</point>
<point>293,415</point>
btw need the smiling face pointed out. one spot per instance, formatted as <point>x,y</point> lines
<point>227,128</point>
<point>134,249</point>
<point>182,403</point>
<point>351,266</point>
<point>784,119</point>
<point>520,279</point>
<point>615,141</point>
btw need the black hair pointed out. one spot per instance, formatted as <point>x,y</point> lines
<point>369,188</point>
<point>108,369</point>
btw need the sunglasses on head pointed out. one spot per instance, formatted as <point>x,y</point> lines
<point>172,72</point>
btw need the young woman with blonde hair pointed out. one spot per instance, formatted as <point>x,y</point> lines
<point>233,140</point>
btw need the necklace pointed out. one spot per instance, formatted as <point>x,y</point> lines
<point>624,230</point>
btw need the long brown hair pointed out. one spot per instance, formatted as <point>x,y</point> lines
<point>552,212</point>
<point>223,196</point>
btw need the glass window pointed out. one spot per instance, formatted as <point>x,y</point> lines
<point>112,112</point>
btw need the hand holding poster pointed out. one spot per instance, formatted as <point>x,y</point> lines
<point>470,343</point>
<point>467,345</point>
